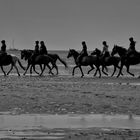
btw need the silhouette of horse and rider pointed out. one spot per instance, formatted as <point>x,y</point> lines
<point>8,59</point>
<point>83,59</point>
<point>103,58</point>
<point>128,57</point>
<point>40,56</point>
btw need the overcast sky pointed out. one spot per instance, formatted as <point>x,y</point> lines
<point>64,24</point>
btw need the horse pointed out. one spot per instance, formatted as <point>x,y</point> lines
<point>5,60</point>
<point>41,60</point>
<point>86,61</point>
<point>107,60</point>
<point>28,53</point>
<point>126,61</point>
<point>15,60</point>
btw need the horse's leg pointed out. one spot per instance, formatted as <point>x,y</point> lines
<point>81,71</point>
<point>55,66</point>
<point>95,72</point>
<point>79,68</point>
<point>31,69</point>
<point>99,72</point>
<point>114,71</point>
<point>3,70</point>
<point>98,69</point>
<point>26,69</point>
<point>10,69</point>
<point>33,66</point>
<point>103,70</point>
<point>42,70</point>
<point>119,68</point>
<point>50,69</point>
<point>120,71</point>
<point>74,69</point>
<point>92,67</point>
<point>128,66</point>
<point>35,69</point>
<point>17,70</point>
<point>106,68</point>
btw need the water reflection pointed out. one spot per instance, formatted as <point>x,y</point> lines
<point>29,125</point>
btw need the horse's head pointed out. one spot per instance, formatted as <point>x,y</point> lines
<point>96,52</point>
<point>119,50</point>
<point>72,52</point>
<point>22,54</point>
<point>114,50</point>
<point>25,54</point>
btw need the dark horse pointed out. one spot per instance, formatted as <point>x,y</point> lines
<point>86,61</point>
<point>28,53</point>
<point>107,60</point>
<point>39,60</point>
<point>133,59</point>
<point>6,60</point>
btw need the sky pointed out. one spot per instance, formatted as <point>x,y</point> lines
<point>64,24</point>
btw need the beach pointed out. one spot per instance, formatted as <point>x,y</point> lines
<point>67,94</point>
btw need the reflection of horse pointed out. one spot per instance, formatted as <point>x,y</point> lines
<point>86,61</point>
<point>107,60</point>
<point>28,53</point>
<point>133,59</point>
<point>6,60</point>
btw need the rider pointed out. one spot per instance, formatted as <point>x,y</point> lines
<point>105,51</point>
<point>43,49</point>
<point>3,48</point>
<point>83,52</point>
<point>36,50</point>
<point>131,49</point>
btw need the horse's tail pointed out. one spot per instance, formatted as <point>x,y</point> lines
<point>62,61</point>
<point>21,65</point>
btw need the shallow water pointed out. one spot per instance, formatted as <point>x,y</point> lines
<point>31,126</point>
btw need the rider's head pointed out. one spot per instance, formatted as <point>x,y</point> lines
<point>131,39</point>
<point>84,44</point>
<point>104,42</point>
<point>42,42</point>
<point>3,41</point>
<point>36,42</point>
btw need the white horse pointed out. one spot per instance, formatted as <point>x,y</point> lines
<point>15,60</point>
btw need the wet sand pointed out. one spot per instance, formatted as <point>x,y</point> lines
<point>65,94</point>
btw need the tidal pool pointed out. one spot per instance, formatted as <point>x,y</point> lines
<point>30,125</point>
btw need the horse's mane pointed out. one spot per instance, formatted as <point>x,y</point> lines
<point>121,47</point>
<point>98,50</point>
<point>74,51</point>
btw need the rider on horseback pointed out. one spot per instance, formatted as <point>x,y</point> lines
<point>43,49</point>
<point>105,51</point>
<point>3,48</point>
<point>131,49</point>
<point>36,51</point>
<point>83,52</point>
